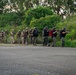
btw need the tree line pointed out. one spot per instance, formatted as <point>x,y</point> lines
<point>24,5</point>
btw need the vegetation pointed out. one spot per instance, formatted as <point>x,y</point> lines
<point>50,21</point>
<point>32,13</point>
<point>70,25</point>
<point>22,5</point>
<point>37,13</point>
<point>10,19</point>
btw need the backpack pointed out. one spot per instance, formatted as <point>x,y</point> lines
<point>45,32</point>
<point>35,32</point>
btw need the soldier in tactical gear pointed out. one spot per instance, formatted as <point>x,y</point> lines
<point>45,34</point>
<point>54,34</point>
<point>63,33</point>
<point>22,36</point>
<point>19,36</point>
<point>26,36</point>
<point>2,35</point>
<point>31,36</point>
<point>35,35</point>
<point>12,36</point>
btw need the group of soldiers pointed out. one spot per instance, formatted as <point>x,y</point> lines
<point>32,35</point>
<point>53,34</point>
<point>25,35</point>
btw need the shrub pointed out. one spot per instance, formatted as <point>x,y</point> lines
<point>58,43</point>
<point>71,35</point>
<point>70,43</point>
<point>49,21</point>
<point>10,19</point>
<point>73,44</point>
<point>37,13</point>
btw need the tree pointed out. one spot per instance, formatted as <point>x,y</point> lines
<point>35,2</point>
<point>37,13</point>
<point>21,5</point>
<point>70,4</point>
<point>2,4</point>
<point>50,21</point>
<point>57,4</point>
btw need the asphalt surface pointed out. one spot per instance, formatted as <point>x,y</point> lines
<point>37,60</point>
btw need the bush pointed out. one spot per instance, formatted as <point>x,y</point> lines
<point>73,44</point>
<point>71,35</point>
<point>58,43</point>
<point>37,13</point>
<point>10,19</point>
<point>49,21</point>
<point>70,43</point>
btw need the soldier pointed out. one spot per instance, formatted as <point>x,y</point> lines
<point>22,36</point>
<point>2,35</point>
<point>19,36</point>
<point>26,36</point>
<point>54,34</point>
<point>45,34</point>
<point>31,36</point>
<point>6,36</point>
<point>35,35</point>
<point>12,36</point>
<point>63,33</point>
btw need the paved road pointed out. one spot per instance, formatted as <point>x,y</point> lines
<point>37,60</point>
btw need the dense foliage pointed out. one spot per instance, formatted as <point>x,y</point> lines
<point>22,5</point>
<point>10,19</point>
<point>37,13</point>
<point>50,21</point>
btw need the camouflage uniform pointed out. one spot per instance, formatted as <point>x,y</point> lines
<point>26,36</point>
<point>19,36</point>
<point>31,36</point>
<point>12,37</point>
<point>22,36</point>
<point>2,36</point>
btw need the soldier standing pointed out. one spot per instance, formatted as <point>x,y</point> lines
<point>26,36</point>
<point>54,34</point>
<point>12,37</point>
<point>31,36</point>
<point>2,35</point>
<point>19,36</point>
<point>63,33</point>
<point>35,35</point>
<point>22,36</point>
<point>6,36</point>
<point>45,34</point>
